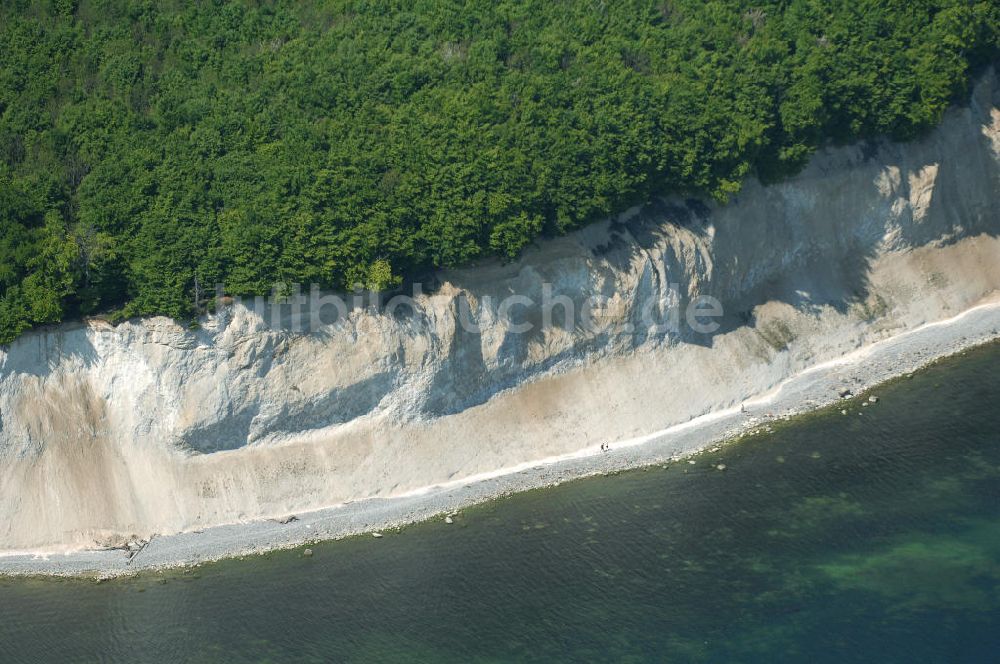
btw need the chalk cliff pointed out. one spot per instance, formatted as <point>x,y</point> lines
<point>114,432</point>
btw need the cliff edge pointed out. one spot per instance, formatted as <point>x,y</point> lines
<point>110,433</point>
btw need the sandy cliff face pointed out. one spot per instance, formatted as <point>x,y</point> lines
<point>111,432</point>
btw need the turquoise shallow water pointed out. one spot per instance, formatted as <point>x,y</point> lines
<point>859,538</point>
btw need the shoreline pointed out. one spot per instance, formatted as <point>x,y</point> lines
<point>810,390</point>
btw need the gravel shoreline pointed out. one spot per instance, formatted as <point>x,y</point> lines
<point>817,387</point>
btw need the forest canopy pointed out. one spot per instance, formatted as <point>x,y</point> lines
<point>148,149</point>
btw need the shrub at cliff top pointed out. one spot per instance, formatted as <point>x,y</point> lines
<point>148,149</point>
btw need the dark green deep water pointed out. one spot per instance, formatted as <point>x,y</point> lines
<point>865,538</point>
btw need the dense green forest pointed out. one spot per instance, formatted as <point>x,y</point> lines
<point>147,147</point>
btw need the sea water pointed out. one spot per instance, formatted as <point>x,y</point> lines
<point>867,537</point>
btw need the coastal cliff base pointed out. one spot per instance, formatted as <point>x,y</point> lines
<point>200,442</point>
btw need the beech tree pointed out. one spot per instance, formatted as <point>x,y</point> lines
<point>144,145</point>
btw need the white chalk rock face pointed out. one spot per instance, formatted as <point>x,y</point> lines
<point>114,433</point>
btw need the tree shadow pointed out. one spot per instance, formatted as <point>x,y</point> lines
<point>811,245</point>
<point>41,351</point>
